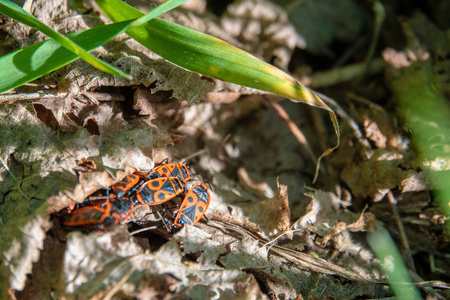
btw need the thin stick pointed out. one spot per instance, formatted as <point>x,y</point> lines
<point>143,230</point>
<point>119,284</point>
<point>198,153</point>
<point>380,16</point>
<point>407,250</point>
<point>7,98</point>
<point>162,219</point>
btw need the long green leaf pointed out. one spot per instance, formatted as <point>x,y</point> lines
<point>208,55</point>
<point>387,252</point>
<point>37,60</point>
<point>18,13</point>
<point>32,62</point>
<point>163,8</point>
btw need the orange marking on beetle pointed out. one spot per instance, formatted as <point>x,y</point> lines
<point>194,205</point>
<point>86,216</point>
<point>116,203</point>
<point>181,171</point>
<point>159,190</point>
<point>123,186</point>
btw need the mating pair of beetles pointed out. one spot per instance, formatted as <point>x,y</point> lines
<point>115,204</point>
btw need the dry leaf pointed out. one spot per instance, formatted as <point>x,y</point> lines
<point>257,22</point>
<point>376,176</point>
<point>272,215</point>
<point>24,251</point>
<point>364,223</point>
<point>96,259</point>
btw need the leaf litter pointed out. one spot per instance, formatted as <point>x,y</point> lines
<point>268,235</point>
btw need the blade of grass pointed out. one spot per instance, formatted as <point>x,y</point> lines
<point>37,60</point>
<point>429,123</point>
<point>19,14</point>
<point>210,56</point>
<point>398,277</point>
<point>163,8</point>
<point>34,61</point>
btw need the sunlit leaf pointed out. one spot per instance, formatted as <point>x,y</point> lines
<point>32,62</point>
<point>392,262</point>
<point>19,14</point>
<point>42,58</point>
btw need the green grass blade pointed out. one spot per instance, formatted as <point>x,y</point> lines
<point>37,60</point>
<point>208,55</point>
<point>16,12</point>
<point>392,263</point>
<point>163,8</point>
<point>34,61</point>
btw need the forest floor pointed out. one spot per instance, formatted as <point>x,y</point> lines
<point>269,232</point>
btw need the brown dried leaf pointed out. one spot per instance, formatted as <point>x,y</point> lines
<point>91,126</point>
<point>327,218</point>
<point>376,176</point>
<point>24,251</point>
<point>154,104</point>
<point>98,259</point>
<point>272,215</point>
<point>322,209</point>
<point>415,182</point>
<point>46,116</point>
<point>364,223</point>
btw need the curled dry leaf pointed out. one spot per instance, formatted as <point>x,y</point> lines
<point>24,251</point>
<point>154,73</point>
<point>364,223</point>
<point>45,115</point>
<point>273,215</point>
<point>325,217</point>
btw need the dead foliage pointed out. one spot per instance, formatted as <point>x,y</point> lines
<point>269,233</point>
